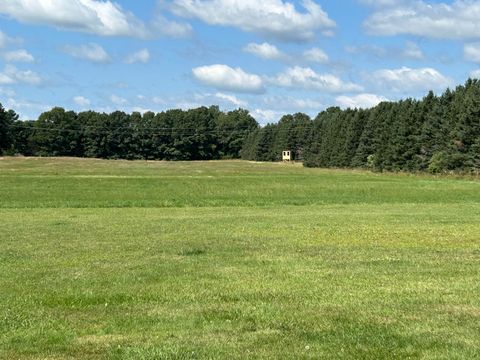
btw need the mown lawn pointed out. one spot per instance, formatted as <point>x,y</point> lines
<point>234,260</point>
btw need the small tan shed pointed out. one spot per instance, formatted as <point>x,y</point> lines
<point>287,155</point>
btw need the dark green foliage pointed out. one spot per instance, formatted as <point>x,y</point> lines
<point>197,134</point>
<point>23,142</point>
<point>444,160</point>
<point>232,130</point>
<point>265,148</point>
<point>57,133</point>
<point>368,143</point>
<point>194,135</point>
<point>249,149</point>
<point>7,119</point>
<point>267,144</point>
<point>436,134</point>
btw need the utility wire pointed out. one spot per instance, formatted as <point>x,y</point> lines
<point>161,131</point>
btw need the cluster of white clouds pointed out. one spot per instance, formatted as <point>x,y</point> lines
<point>265,51</point>
<point>475,74</point>
<point>13,56</point>
<point>287,103</point>
<point>232,99</point>
<point>144,103</point>
<point>12,75</point>
<point>409,80</point>
<point>82,101</point>
<point>272,20</point>
<point>237,80</point>
<point>266,115</point>
<point>224,77</point>
<point>141,56</point>
<point>97,54</point>
<point>359,101</point>
<point>268,51</point>
<point>27,110</point>
<point>402,80</point>
<point>103,18</point>
<point>6,40</point>
<point>411,51</point>
<point>307,78</point>
<point>118,100</point>
<point>91,52</point>
<point>316,55</point>
<point>20,55</point>
<point>472,52</point>
<point>440,20</point>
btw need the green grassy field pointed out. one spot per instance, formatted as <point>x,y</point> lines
<point>234,260</point>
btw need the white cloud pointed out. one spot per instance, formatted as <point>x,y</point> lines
<point>140,109</point>
<point>141,56</point>
<point>288,103</point>
<point>407,79</point>
<point>187,105</point>
<point>7,92</point>
<point>171,28</point>
<point>472,52</point>
<point>370,50</point>
<point>381,3</point>
<point>5,79</point>
<point>231,99</point>
<point>81,101</point>
<point>5,40</point>
<point>18,56</point>
<point>28,110</point>
<point>117,100</point>
<point>272,18</point>
<point>412,51</point>
<point>316,55</point>
<point>12,75</point>
<point>91,52</point>
<point>475,74</point>
<point>223,77</point>
<point>264,116</point>
<point>306,78</point>
<point>99,17</point>
<point>159,100</point>
<point>195,100</point>
<point>360,101</point>
<point>458,20</point>
<point>264,51</point>
<point>307,104</point>
<point>105,18</point>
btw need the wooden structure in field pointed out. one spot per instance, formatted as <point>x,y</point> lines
<point>287,156</point>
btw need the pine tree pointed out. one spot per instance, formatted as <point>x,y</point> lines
<point>7,119</point>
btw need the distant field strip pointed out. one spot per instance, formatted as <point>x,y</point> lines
<point>80,183</point>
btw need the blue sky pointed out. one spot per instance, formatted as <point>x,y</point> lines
<point>271,57</point>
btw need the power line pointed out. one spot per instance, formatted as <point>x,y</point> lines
<point>160,131</point>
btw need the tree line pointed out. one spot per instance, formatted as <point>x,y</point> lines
<point>436,134</point>
<point>197,134</point>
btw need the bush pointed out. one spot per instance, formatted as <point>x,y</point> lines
<point>371,161</point>
<point>443,161</point>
